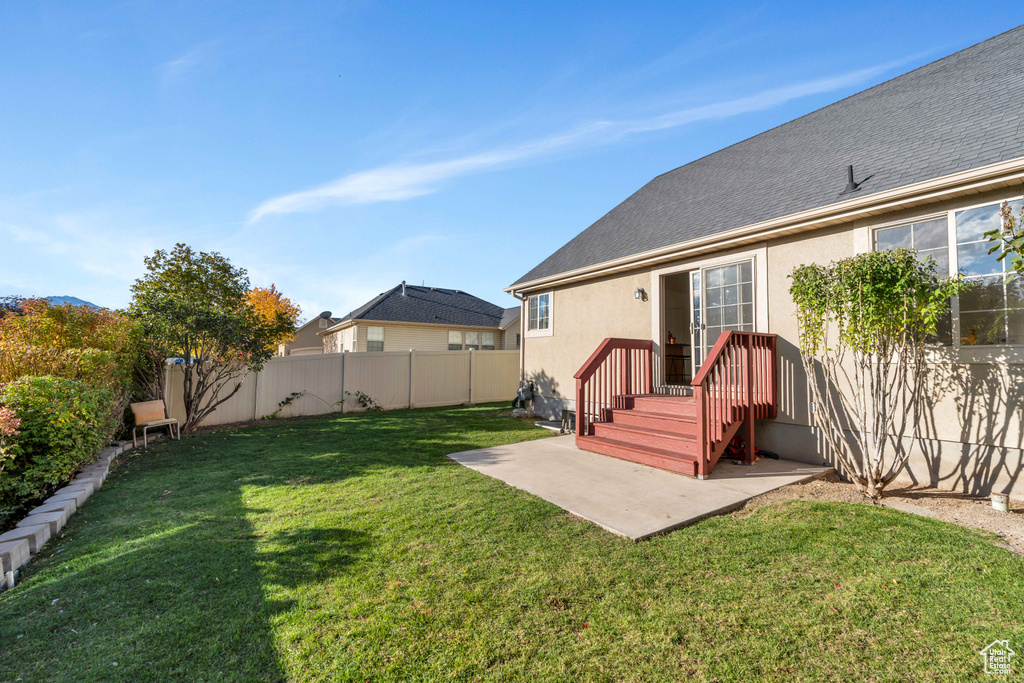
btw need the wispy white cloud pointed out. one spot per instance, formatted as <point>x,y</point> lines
<point>402,181</point>
<point>186,63</point>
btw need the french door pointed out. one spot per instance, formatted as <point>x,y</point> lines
<point>721,299</point>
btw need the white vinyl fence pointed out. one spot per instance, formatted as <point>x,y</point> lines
<point>395,379</point>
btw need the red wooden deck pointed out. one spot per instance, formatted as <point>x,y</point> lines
<point>617,413</point>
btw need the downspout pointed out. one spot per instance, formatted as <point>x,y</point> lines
<point>522,338</point>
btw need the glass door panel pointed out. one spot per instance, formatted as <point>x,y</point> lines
<point>725,302</point>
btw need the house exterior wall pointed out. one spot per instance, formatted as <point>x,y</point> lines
<point>307,340</point>
<point>508,341</point>
<point>399,337</point>
<point>973,424</point>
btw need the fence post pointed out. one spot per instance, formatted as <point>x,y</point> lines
<point>344,376</point>
<point>256,396</point>
<point>470,375</point>
<point>412,375</point>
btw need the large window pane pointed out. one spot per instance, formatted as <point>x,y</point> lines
<point>974,259</point>
<point>714,296</point>
<point>731,295</point>
<point>931,234</point>
<point>941,258</point>
<point>747,271</point>
<point>893,238</point>
<point>983,294</point>
<point>982,327</point>
<point>972,224</point>
<point>1015,292</point>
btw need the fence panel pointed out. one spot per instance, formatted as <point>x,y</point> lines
<point>495,375</point>
<point>238,408</point>
<point>392,378</point>
<point>317,376</point>
<point>382,375</point>
<point>440,378</point>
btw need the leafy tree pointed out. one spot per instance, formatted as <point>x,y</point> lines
<point>863,324</point>
<point>276,310</point>
<point>1009,241</point>
<point>193,307</point>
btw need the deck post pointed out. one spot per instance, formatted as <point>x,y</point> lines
<point>749,427</point>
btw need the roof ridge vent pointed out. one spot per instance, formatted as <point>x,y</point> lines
<point>403,281</point>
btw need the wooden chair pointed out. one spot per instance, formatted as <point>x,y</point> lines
<point>152,414</point>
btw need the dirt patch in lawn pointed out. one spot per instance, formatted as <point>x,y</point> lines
<point>948,506</point>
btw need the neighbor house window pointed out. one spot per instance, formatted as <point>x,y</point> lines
<point>539,313</point>
<point>323,324</point>
<point>487,341</point>
<point>518,339</point>
<point>472,340</point>
<point>374,338</point>
<point>991,310</point>
<point>454,340</point>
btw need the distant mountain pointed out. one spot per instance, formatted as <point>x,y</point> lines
<point>55,300</point>
<point>73,300</point>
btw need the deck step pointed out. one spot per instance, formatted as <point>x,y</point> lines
<point>646,418</point>
<point>659,403</point>
<point>652,457</point>
<point>674,442</point>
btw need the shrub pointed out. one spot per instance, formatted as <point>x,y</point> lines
<point>63,423</point>
<point>97,346</point>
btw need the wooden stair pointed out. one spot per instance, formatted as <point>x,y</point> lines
<point>650,429</point>
<point>618,414</point>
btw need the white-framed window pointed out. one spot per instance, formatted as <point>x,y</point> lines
<point>487,341</point>
<point>538,315</point>
<point>472,340</point>
<point>991,311</point>
<point>374,338</point>
<point>454,340</point>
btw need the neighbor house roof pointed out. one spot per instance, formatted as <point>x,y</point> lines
<point>509,316</point>
<point>956,114</point>
<point>431,305</point>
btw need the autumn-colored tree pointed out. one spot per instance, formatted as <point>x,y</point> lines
<point>193,307</point>
<point>277,310</point>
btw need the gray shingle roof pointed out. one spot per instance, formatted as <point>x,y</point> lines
<point>955,114</point>
<point>509,316</point>
<point>429,305</point>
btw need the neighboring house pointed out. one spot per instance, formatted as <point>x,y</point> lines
<point>709,246</point>
<point>307,338</point>
<point>425,319</point>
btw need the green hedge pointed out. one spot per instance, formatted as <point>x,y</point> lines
<point>64,422</point>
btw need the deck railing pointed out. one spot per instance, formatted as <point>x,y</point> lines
<point>618,367</point>
<point>736,384</point>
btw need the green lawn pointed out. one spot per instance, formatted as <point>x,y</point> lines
<point>349,548</point>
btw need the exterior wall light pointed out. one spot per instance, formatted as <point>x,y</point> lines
<point>640,294</point>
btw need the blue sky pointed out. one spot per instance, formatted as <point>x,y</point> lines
<point>335,149</point>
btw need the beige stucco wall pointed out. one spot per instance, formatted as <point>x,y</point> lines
<point>973,419</point>
<point>399,337</point>
<point>582,316</point>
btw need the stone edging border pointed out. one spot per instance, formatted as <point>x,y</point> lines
<point>47,519</point>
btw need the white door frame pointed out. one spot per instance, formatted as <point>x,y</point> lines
<point>757,253</point>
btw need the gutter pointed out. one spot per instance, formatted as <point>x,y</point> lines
<point>974,181</point>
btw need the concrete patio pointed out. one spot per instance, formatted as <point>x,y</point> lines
<point>623,497</point>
